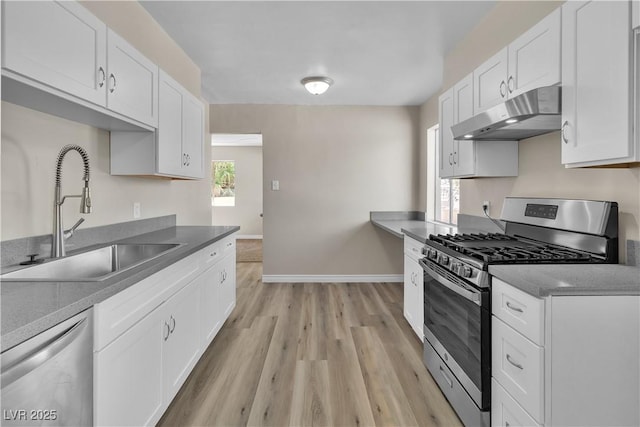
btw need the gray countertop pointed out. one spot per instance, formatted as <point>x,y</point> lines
<point>29,308</point>
<point>410,223</point>
<point>541,280</point>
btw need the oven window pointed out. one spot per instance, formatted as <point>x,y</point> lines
<point>456,323</point>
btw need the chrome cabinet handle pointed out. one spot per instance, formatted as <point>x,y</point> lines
<point>188,159</point>
<point>510,84</point>
<point>104,77</point>
<point>511,307</point>
<point>455,156</point>
<point>113,84</point>
<point>517,365</point>
<point>173,324</point>
<point>503,89</point>
<point>450,155</point>
<point>564,136</point>
<point>167,331</point>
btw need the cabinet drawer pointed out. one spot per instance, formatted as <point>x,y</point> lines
<point>413,248</point>
<point>518,365</point>
<point>519,310</point>
<point>505,411</point>
<point>216,251</point>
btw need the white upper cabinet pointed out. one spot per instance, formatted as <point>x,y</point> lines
<point>170,126</point>
<point>175,149</point>
<point>597,84</point>
<point>193,136</point>
<point>490,82</point>
<point>463,151</point>
<point>445,143</point>
<point>59,44</point>
<point>59,58</point>
<point>635,8</point>
<point>531,61</point>
<point>470,158</point>
<point>132,82</point>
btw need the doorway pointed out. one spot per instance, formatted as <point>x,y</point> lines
<point>236,193</point>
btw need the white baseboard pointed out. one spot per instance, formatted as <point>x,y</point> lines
<point>249,236</point>
<point>345,278</point>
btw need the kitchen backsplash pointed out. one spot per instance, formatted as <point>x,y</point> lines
<point>15,251</point>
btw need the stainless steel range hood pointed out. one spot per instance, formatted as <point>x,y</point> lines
<point>530,114</point>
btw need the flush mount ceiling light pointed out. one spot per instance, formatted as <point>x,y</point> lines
<point>316,85</point>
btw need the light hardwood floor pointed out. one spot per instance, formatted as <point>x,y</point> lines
<point>312,355</point>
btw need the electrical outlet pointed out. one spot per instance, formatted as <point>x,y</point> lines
<point>275,185</point>
<point>136,210</point>
<point>486,206</point>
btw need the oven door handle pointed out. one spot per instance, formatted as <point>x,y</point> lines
<point>465,293</point>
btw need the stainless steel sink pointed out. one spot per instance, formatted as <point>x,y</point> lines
<point>94,265</point>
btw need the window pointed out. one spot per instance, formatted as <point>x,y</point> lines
<point>443,195</point>
<point>223,181</point>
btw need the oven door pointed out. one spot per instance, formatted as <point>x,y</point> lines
<point>457,324</point>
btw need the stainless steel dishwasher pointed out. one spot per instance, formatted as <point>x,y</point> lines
<point>48,379</point>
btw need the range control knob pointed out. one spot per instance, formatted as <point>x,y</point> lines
<point>466,271</point>
<point>432,254</point>
<point>455,267</point>
<point>444,259</point>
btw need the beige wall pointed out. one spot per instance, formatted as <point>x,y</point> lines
<point>31,141</point>
<point>248,206</point>
<point>335,165</point>
<point>541,173</point>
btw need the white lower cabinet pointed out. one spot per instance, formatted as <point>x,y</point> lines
<point>228,284</point>
<point>413,306</point>
<point>128,377</point>
<point>180,337</point>
<point>218,288</point>
<point>584,371</point>
<point>175,314</point>
<point>211,310</point>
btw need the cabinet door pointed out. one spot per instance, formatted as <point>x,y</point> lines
<point>132,82</point>
<point>595,81</point>
<point>59,44</point>
<point>180,337</point>
<point>128,376</point>
<point>635,9</point>
<point>463,151</point>
<point>445,143</point>
<point>409,294</point>
<point>534,57</point>
<point>490,82</point>
<point>193,136</point>
<point>228,284</point>
<point>211,310</point>
<point>413,295</point>
<point>418,313</point>
<point>169,154</point>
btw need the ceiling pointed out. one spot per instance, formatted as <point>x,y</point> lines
<point>377,53</point>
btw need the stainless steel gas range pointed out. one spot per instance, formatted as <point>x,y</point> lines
<point>457,285</point>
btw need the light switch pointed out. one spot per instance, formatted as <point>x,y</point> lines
<point>275,185</point>
<point>136,210</point>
